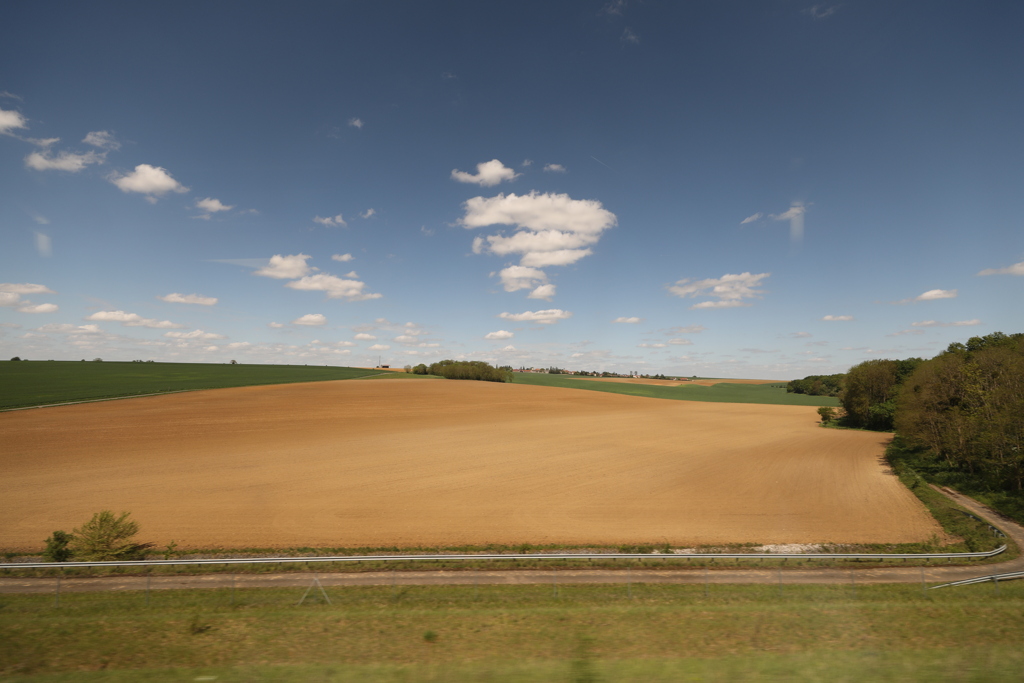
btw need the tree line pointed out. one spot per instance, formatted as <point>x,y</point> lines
<point>463,369</point>
<point>964,407</point>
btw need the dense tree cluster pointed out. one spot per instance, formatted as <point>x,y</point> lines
<point>469,369</point>
<point>817,385</point>
<point>871,390</point>
<point>966,406</point>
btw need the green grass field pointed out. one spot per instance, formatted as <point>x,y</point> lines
<point>721,393</point>
<point>520,633</point>
<point>31,383</point>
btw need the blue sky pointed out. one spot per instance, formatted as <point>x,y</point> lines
<point>764,189</point>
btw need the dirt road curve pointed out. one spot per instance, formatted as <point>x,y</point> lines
<point>443,463</point>
<point>680,574</point>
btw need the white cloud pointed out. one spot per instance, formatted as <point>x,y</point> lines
<point>933,294</point>
<point>25,288</point>
<point>515,278</point>
<point>750,219</point>
<point>363,336</point>
<point>679,341</point>
<point>194,334</point>
<point>500,334</point>
<point>152,181</point>
<point>37,308</point>
<point>345,343</point>
<point>11,120</point>
<point>355,123</point>
<point>837,318</point>
<point>10,299</point>
<point>344,258</point>
<point>368,213</point>
<point>730,289</point>
<point>44,245</point>
<point>629,37</point>
<point>689,329</point>
<point>175,298</point>
<point>546,317</point>
<point>935,323</point>
<point>821,11</point>
<point>313,319</point>
<point>801,335</point>
<point>63,161</point>
<point>131,320</point>
<point>379,347</point>
<point>330,221</point>
<point>488,173</point>
<point>545,292</point>
<point>543,259</point>
<point>632,320</point>
<point>275,326</point>
<point>1015,269</point>
<point>352,274</point>
<point>651,346</point>
<point>795,216</point>
<point>286,267</point>
<point>335,287</point>
<point>211,205</point>
<point>101,138</point>
<point>554,168</point>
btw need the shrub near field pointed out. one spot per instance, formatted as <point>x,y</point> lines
<point>45,382</point>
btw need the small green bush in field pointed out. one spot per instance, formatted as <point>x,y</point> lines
<point>57,549</point>
<point>107,537</point>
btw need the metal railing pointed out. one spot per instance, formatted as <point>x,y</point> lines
<point>521,556</point>
<point>996,578</point>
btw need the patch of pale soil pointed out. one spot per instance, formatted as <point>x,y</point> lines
<point>446,463</point>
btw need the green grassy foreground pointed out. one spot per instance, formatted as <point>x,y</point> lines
<point>719,393</point>
<point>521,633</point>
<point>32,383</point>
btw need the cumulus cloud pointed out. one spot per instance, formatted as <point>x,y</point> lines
<point>546,317</point>
<point>11,120</point>
<point>363,336</point>
<point>488,173</point>
<point>9,299</point>
<point>515,278</point>
<point>837,318</point>
<point>554,168</point>
<point>500,334</point>
<point>175,298</point>
<point>550,229</point>
<point>632,320</point>
<point>103,139</point>
<point>651,346</point>
<point>731,289</point>
<point>930,295</point>
<point>132,320</point>
<point>211,205</point>
<point>750,219</point>
<point>286,267</point>
<point>1015,269</point>
<point>62,161</point>
<point>152,181</point>
<point>24,288</point>
<point>194,334</point>
<point>335,287</point>
<point>935,323</point>
<point>679,341</point>
<point>795,216</point>
<point>544,292</point>
<point>312,319</point>
<point>344,258</point>
<point>379,347</point>
<point>37,308</point>
<point>355,123</point>
<point>330,221</point>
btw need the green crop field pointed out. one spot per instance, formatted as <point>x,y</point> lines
<point>721,393</point>
<point>644,632</point>
<point>31,383</point>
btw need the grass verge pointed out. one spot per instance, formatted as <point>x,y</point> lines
<point>514,633</point>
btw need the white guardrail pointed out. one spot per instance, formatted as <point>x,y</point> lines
<point>995,578</point>
<point>524,556</point>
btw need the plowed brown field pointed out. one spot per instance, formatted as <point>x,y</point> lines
<point>441,462</point>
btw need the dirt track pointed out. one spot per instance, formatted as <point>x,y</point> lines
<point>435,462</point>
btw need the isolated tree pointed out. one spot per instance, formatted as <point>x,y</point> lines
<point>108,537</point>
<point>826,414</point>
<point>16,358</point>
<point>57,547</point>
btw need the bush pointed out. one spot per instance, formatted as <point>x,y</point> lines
<point>57,549</point>
<point>826,414</point>
<point>107,537</point>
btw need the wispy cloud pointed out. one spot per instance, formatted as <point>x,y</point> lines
<point>175,298</point>
<point>821,11</point>
<point>1015,269</point>
<point>795,216</point>
<point>930,295</point>
<point>546,317</point>
<point>837,318</point>
<point>935,323</point>
<point>731,290</point>
<point>330,221</point>
<point>628,36</point>
<point>632,320</point>
<point>750,219</point>
<point>355,122</point>
<point>103,139</point>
